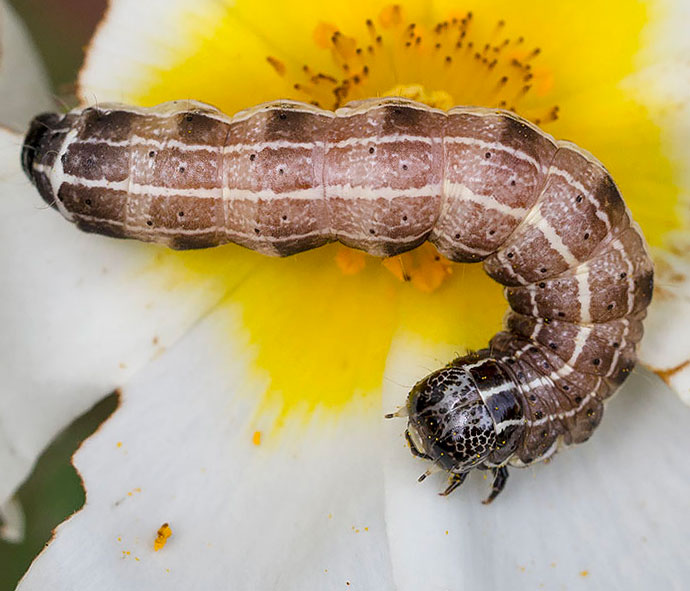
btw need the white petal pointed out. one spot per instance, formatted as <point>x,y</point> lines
<point>666,345</point>
<point>12,522</point>
<point>79,314</point>
<point>612,513</point>
<point>302,510</point>
<point>23,84</point>
<point>665,90</point>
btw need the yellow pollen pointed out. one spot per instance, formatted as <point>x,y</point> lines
<point>256,438</point>
<point>390,16</point>
<point>323,33</point>
<point>467,62</point>
<point>350,261</point>
<point>162,535</point>
<point>423,267</point>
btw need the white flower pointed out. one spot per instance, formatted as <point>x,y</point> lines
<point>251,414</point>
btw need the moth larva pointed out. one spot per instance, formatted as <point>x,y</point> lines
<point>383,176</point>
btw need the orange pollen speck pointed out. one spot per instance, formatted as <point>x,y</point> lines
<point>256,438</point>
<point>349,261</point>
<point>423,267</point>
<point>162,535</point>
<point>584,573</point>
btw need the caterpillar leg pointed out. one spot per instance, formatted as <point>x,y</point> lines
<point>413,447</point>
<point>500,479</point>
<point>455,481</point>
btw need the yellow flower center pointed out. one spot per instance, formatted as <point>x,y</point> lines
<point>459,65</point>
<point>319,324</point>
<point>459,62</point>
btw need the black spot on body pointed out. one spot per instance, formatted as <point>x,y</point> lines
<point>516,133</point>
<point>286,124</point>
<point>400,118</point>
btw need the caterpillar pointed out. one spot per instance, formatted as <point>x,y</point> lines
<point>384,175</point>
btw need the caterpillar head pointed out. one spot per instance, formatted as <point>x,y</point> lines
<point>448,423</point>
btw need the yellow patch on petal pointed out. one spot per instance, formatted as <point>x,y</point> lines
<point>322,321</point>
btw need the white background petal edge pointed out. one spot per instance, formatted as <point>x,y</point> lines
<point>302,510</point>
<point>611,513</point>
<point>80,314</point>
<point>308,510</point>
<point>23,84</point>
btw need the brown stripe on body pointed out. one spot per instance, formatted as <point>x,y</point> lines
<point>603,346</point>
<point>617,282</point>
<point>383,190</point>
<point>43,143</point>
<point>112,125</point>
<point>94,161</point>
<point>568,406</point>
<point>277,154</point>
<point>579,208</point>
<point>100,210</point>
<point>494,167</point>
<point>154,209</point>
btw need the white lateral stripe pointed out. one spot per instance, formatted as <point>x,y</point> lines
<point>580,340</point>
<point>196,231</point>
<point>486,394</point>
<point>57,173</point>
<point>563,415</point>
<point>464,193</point>
<point>583,294</point>
<point>363,236</point>
<point>484,145</point>
<point>565,175</point>
<point>361,192</point>
<point>383,139</point>
<point>537,220</point>
<point>199,193</point>
<point>503,425</point>
<point>178,145</point>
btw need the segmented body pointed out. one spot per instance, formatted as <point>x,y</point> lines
<point>383,176</point>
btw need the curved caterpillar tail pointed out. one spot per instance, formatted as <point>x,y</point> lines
<point>385,175</point>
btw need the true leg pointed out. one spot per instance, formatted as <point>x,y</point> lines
<point>500,479</point>
<point>455,481</point>
<point>413,449</point>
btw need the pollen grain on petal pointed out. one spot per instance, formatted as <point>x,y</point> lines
<point>322,34</point>
<point>350,261</point>
<point>391,15</point>
<point>424,268</point>
<point>162,535</point>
